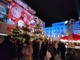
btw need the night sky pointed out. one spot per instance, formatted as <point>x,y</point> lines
<point>51,11</point>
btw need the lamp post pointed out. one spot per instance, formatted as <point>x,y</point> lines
<point>70,30</point>
<point>79,25</point>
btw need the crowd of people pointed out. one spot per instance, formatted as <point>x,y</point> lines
<point>32,50</point>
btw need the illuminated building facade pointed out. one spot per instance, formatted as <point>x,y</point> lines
<point>60,29</point>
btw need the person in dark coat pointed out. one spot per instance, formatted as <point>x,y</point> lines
<point>62,49</point>
<point>43,51</point>
<point>53,51</point>
<point>35,50</point>
<point>7,49</point>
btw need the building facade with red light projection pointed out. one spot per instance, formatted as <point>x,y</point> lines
<point>15,12</point>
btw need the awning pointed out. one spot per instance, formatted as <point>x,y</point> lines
<point>74,37</point>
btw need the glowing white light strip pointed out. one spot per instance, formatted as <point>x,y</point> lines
<point>70,40</point>
<point>3,34</point>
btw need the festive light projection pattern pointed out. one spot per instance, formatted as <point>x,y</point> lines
<point>18,15</point>
<point>25,6</point>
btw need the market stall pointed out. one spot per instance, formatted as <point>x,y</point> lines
<point>75,38</point>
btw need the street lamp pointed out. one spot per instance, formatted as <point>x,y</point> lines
<point>79,25</point>
<point>70,30</point>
